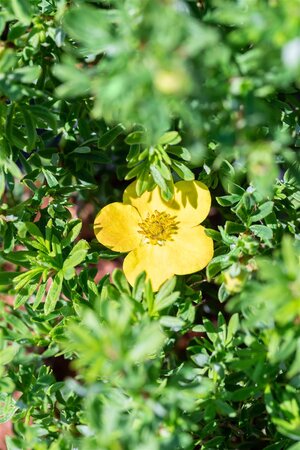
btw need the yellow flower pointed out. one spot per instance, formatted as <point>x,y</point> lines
<point>163,238</point>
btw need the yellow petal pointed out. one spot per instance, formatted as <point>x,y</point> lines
<point>190,251</point>
<point>192,200</point>
<point>191,203</point>
<point>147,203</point>
<point>149,258</point>
<point>116,227</point>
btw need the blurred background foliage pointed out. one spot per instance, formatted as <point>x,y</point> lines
<point>95,93</point>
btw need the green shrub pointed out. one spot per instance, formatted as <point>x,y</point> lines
<point>95,93</point>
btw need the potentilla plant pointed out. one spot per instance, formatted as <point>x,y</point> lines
<point>149,225</point>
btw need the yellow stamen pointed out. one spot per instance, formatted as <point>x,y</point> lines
<point>158,227</point>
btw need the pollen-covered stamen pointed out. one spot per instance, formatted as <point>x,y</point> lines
<point>158,227</point>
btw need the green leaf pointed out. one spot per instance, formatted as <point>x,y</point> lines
<point>8,407</point>
<point>183,171</point>
<point>75,81</point>
<point>291,260</point>
<point>175,323</point>
<point>2,183</point>
<point>137,137</point>
<point>39,296</point>
<point>158,177</point>
<point>31,135</point>
<point>27,74</point>
<point>138,171</point>
<point>181,152</point>
<point>217,264</point>
<point>12,167</point>
<point>120,281</point>
<point>24,278</point>
<point>26,292</point>
<point>50,178</point>
<point>7,354</point>
<point>166,289</point>
<point>73,233</point>
<point>7,277</point>
<point>139,286</point>
<point>148,343</point>
<point>22,10</point>
<point>233,326</point>
<point>110,136</point>
<point>165,302</point>
<point>53,293</point>
<point>294,446</point>
<point>225,409</point>
<point>234,228</point>
<point>263,232</point>
<point>77,255</point>
<point>43,114</point>
<point>35,232</point>
<point>170,138</point>
<point>263,211</point>
<point>90,26</point>
<point>228,200</point>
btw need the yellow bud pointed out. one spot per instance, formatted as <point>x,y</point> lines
<point>234,285</point>
<point>170,82</point>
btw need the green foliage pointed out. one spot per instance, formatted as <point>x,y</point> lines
<point>95,93</point>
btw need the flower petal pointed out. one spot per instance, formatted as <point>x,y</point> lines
<point>116,227</point>
<point>191,203</point>
<point>189,251</point>
<point>192,200</point>
<point>147,202</point>
<point>149,258</point>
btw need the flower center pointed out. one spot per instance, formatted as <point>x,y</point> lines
<point>158,227</point>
